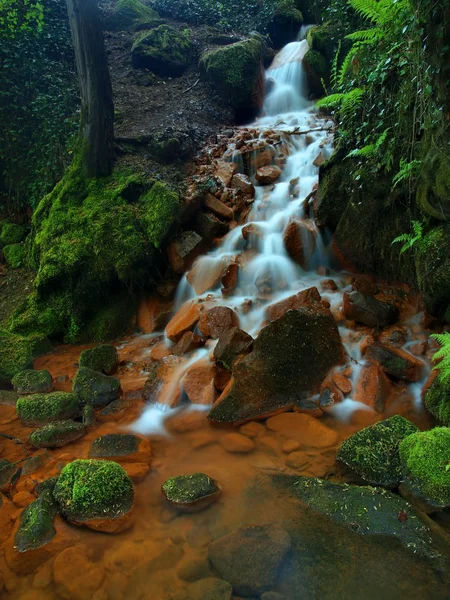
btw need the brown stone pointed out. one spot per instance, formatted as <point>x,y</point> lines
<point>221,377</point>
<point>344,384</point>
<point>198,383</point>
<point>182,251</point>
<point>230,278</point>
<point>372,388</point>
<point>253,429</point>
<point>369,311</point>
<point>76,577</point>
<point>217,207</point>
<point>7,510</point>
<point>231,344</point>
<point>418,348</point>
<point>225,171</point>
<point>393,336</point>
<point>328,285</point>
<point>243,183</point>
<point>330,395</point>
<point>300,241</point>
<point>306,297</point>
<point>236,443</point>
<point>268,175</point>
<point>206,274</point>
<point>304,429</point>
<point>188,343</point>
<point>184,320</point>
<point>250,230</point>
<point>364,285</point>
<point>216,321</point>
<point>162,383</point>
<point>395,362</point>
<point>319,160</point>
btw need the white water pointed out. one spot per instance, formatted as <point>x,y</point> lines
<point>289,114</point>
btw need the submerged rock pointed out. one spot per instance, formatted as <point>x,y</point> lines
<point>123,447</point>
<point>92,387</point>
<point>55,435</point>
<point>39,409</point>
<point>250,558</point>
<point>191,493</point>
<point>369,311</point>
<point>211,588</point>
<point>290,359</point>
<point>373,452</point>
<point>101,358</point>
<point>37,524</point>
<point>164,50</point>
<point>395,362</point>
<point>32,382</point>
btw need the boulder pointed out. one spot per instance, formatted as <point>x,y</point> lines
<point>369,310</point>
<point>57,434</point>
<point>268,175</point>
<point>372,387</point>
<point>39,409</point>
<point>166,51</point>
<point>14,255</point>
<point>216,321</point>
<point>424,457</point>
<point>236,443</point>
<point>96,493</point>
<point>308,297</point>
<point>183,250</point>
<point>231,344</point>
<point>250,558</point>
<point>16,355</point>
<point>121,447</point>
<point>304,429</point>
<point>198,383</point>
<point>188,343</point>
<point>290,359</point>
<point>209,226</point>
<point>104,359</point>
<point>162,385</point>
<point>184,320</point>
<point>300,242</point>
<point>229,278</point>
<point>395,362</point>
<point>243,183</point>
<point>225,172</point>
<point>133,14</point>
<point>191,493</point>
<point>284,23</point>
<point>373,452</point>
<point>217,207</point>
<point>92,387</point>
<point>317,70</point>
<point>10,233</point>
<point>32,382</point>
<point>436,397</point>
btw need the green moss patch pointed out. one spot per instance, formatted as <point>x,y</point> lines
<point>132,14</point>
<point>55,435</point>
<point>437,400</point>
<point>92,387</point>
<point>32,382</point>
<point>425,459</point>
<point>189,488</point>
<point>10,233</point>
<point>36,527</point>
<point>39,409</point>
<point>373,453</point>
<point>93,489</point>
<point>165,50</point>
<point>102,358</point>
<point>14,255</point>
<point>114,445</point>
<point>16,354</point>
<point>433,268</point>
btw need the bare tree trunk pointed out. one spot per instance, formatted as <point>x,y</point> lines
<point>97,109</point>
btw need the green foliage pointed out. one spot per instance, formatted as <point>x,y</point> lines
<point>19,16</point>
<point>14,255</point>
<point>16,355</point>
<point>408,170</point>
<point>442,356</point>
<point>410,239</point>
<point>10,233</point>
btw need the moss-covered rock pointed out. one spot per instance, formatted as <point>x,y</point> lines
<point>93,489</point>
<point>92,387</point>
<point>10,233</point>
<point>102,358</point>
<point>114,319</point>
<point>14,255</point>
<point>190,491</point>
<point>373,453</point>
<point>285,22</point>
<point>55,435</point>
<point>36,524</point>
<point>114,446</point>
<point>317,70</point>
<point>165,50</point>
<point>322,39</point>
<point>16,355</point>
<point>132,14</point>
<point>32,382</point>
<point>7,473</point>
<point>236,72</point>
<point>39,409</point>
<point>433,269</point>
<point>437,400</point>
<point>433,190</point>
<point>425,460</point>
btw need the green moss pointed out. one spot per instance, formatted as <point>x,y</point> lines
<point>92,387</point>
<point>10,233</point>
<point>55,435</point>
<point>161,208</point>
<point>93,489</point>
<point>425,459</point>
<point>437,400</point>
<point>134,14</point>
<point>111,322</point>
<point>433,268</point>
<point>114,445</point>
<point>322,39</point>
<point>285,22</point>
<point>101,358</point>
<point>47,408</point>
<point>36,524</point>
<point>372,453</point>
<point>32,382</point>
<point>165,50</point>
<point>15,354</point>
<point>433,191</point>
<point>317,70</point>
<point>188,488</point>
<point>14,255</point>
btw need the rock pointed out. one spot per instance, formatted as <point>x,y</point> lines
<point>96,493</point>
<point>424,458</point>
<point>395,362</point>
<point>193,569</point>
<point>221,377</point>
<point>372,387</point>
<point>23,499</point>
<point>268,175</point>
<point>104,359</point>
<point>230,278</point>
<point>252,429</point>
<point>436,398</point>
<point>191,493</point>
<point>57,434</point>
<point>88,415</point>
<point>121,447</point>
<point>328,285</point>
<point>299,461</point>
<point>283,25</point>
<point>289,360</point>
<point>300,242</point>
<point>393,336</point>
<point>225,171</point>
<point>39,409</point>
<point>364,285</point>
<point>92,387</point>
<point>161,385</point>
<point>10,233</point>
<point>7,512</point>
<point>32,382</point>
<point>216,321</point>
<point>217,207</point>
<point>243,183</point>
<point>188,343</point>
<point>209,226</point>
<point>133,14</point>
<point>76,577</point>
<point>198,383</point>
<point>306,297</point>
<point>329,395</point>
<point>291,446</point>
<point>183,250</point>
<point>236,443</point>
<point>8,398</point>
<point>166,51</point>
<point>317,70</point>
<point>373,452</point>
<point>206,273</point>
<point>231,344</point>
<point>16,355</point>
<point>211,589</point>
<point>368,310</point>
<point>306,430</point>
<point>184,320</point>
<point>233,557</point>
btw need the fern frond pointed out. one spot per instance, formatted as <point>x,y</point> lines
<point>363,152</point>
<point>417,228</point>
<point>442,355</point>
<point>351,102</point>
<point>366,36</point>
<point>370,9</point>
<point>345,67</point>
<point>401,238</point>
<point>334,66</point>
<point>330,101</point>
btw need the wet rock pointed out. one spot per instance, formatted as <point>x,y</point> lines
<point>184,320</point>
<point>188,343</point>
<point>39,409</point>
<point>424,458</point>
<point>55,435</point>
<point>209,226</point>
<point>243,183</point>
<point>252,429</point>
<point>225,172</point>
<point>290,446</point>
<point>395,362</point>
<point>32,382</point>
<point>48,485</point>
<point>92,387</point>
<point>183,250</point>
<point>198,383</point>
<point>216,321</point>
<point>329,395</point>
<point>251,231</point>
<point>231,344</point>
<point>310,296</point>
<point>373,452</point>
<point>289,360</point>
<point>164,50</point>
<point>88,415</point>
<point>7,472</point>
<point>206,273</point>
<point>393,336</point>
<point>217,207</point>
<point>104,359</point>
<point>364,285</point>
<point>7,511</point>
<point>300,242</point>
<point>436,398</point>
<point>304,429</point>
<point>8,398</point>
<point>221,377</point>
<point>342,383</point>
<point>368,310</point>
<point>191,493</point>
<point>372,387</point>
<point>161,386</point>
<point>236,443</point>
<point>233,556</point>
<point>76,577</point>
<point>230,278</point>
<point>96,493</point>
<point>194,569</point>
<point>268,175</point>
<point>328,285</point>
<point>121,447</point>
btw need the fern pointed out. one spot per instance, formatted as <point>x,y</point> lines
<point>365,36</point>
<point>369,150</point>
<point>407,171</point>
<point>351,102</point>
<point>442,355</point>
<point>409,239</point>
<point>334,66</point>
<point>345,67</point>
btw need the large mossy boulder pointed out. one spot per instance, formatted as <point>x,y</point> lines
<point>104,359</point>
<point>39,409</point>
<point>425,460</point>
<point>36,526</point>
<point>317,71</point>
<point>55,435</point>
<point>322,38</point>
<point>95,493</point>
<point>289,361</point>
<point>373,454</point>
<point>132,14</point>
<point>165,50</point>
<point>32,382</point>
<point>236,73</point>
<point>284,23</point>
<point>16,355</point>
<point>92,387</point>
<point>433,269</point>
<point>14,255</point>
<point>10,233</point>
<point>437,400</point>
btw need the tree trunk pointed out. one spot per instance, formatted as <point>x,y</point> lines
<point>97,109</point>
